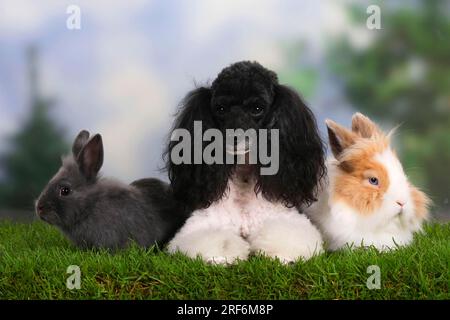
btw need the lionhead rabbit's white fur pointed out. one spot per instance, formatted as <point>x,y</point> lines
<point>367,200</point>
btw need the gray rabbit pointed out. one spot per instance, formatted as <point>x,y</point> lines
<point>96,212</point>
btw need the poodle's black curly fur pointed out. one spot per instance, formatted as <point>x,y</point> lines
<point>247,95</point>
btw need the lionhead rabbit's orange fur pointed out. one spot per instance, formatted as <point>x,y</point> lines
<point>367,199</point>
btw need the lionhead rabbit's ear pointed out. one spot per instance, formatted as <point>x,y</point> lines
<point>90,158</point>
<point>340,138</point>
<point>364,127</point>
<point>81,139</point>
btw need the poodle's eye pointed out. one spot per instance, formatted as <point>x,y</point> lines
<point>257,110</point>
<point>373,181</point>
<point>220,109</point>
<point>64,191</point>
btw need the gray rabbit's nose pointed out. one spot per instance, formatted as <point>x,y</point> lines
<point>40,209</point>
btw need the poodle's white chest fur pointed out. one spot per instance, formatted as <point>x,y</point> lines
<point>243,222</point>
<point>241,209</point>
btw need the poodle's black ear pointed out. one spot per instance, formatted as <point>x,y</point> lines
<point>195,185</point>
<point>301,158</point>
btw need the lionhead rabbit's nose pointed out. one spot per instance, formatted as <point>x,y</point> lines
<point>401,203</point>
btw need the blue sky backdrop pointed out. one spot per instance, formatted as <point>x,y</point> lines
<point>125,71</point>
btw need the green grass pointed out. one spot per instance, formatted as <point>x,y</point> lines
<point>34,259</point>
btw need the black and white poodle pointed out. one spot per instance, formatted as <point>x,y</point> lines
<point>235,209</point>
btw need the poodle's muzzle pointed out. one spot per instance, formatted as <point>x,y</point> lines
<point>240,131</point>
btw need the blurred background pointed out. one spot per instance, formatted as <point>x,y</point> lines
<point>123,73</point>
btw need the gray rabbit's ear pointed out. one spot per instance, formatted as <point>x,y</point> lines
<point>80,141</point>
<point>90,158</point>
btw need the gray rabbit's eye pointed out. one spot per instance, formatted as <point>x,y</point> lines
<point>64,191</point>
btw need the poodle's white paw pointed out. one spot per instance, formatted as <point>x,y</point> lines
<point>285,260</point>
<point>288,238</point>
<point>214,246</point>
<point>218,260</point>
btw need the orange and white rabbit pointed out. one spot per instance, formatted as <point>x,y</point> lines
<point>367,200</point>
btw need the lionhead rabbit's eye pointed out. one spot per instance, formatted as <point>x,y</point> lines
<point>373,181</point>
<point>64,191</point>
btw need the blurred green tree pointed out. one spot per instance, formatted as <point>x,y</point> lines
<point>297,70</point>
<point>34,152</point>
<point>403,76</point>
